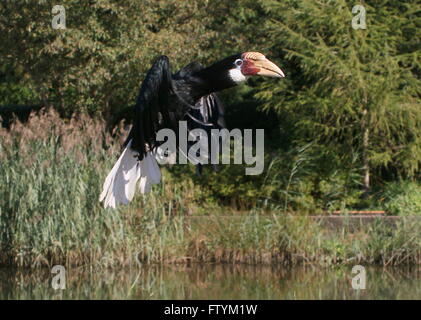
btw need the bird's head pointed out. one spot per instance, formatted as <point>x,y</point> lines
<point>233,70</point>
<point>249,64</point>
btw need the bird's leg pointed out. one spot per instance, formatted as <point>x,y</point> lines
<point>199,168</point>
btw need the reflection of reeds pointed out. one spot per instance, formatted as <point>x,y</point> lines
<point>221,281</point>
<point>51,174</point>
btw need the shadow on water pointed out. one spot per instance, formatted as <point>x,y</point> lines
<point>212,282</point>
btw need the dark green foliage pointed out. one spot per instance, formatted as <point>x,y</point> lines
<point>348,109</point>
<point>402,198</point>
<point>97,63</point>
<point>346,85</point>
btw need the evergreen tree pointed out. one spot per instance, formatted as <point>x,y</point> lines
<point>351,91</point>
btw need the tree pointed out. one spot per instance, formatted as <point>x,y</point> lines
<point>97,63</point>
<point>350,91</point>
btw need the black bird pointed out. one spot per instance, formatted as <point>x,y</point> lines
<point>165,99</point>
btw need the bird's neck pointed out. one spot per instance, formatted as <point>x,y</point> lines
<point>213,79</point>
<point>203,81</point>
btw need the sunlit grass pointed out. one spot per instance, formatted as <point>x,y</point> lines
<point>51,173</point>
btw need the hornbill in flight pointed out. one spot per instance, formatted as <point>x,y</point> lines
<point>164,100</point>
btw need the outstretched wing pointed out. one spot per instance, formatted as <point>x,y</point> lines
<point>136,162</point>
<point>208,114</point>
<point>152,110</point>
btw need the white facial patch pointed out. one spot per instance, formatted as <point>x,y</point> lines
<point>236,75</point>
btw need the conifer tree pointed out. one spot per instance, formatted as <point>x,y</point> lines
<point>350,90</point>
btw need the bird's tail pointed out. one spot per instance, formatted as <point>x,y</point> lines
<point>120,184</point>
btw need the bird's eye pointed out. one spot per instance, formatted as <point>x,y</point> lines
<point>238,62</point>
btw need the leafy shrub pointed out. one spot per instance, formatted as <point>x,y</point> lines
<point>403,198</point>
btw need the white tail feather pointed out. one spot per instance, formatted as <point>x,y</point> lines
<point>120,184</point>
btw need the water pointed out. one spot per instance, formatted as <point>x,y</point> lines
<point>212,282</point>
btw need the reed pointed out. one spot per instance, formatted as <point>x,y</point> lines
<point>51,173</point>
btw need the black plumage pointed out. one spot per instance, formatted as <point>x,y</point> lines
<point>168,101</point>
<point>189,95</point>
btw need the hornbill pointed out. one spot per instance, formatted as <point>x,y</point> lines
<point>163,101</point>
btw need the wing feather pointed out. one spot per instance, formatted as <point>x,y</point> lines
<point>152,100</point>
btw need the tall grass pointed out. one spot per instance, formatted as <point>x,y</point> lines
<point>51,173</point>
<point>292,240</point>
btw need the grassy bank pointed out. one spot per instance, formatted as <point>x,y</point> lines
<point>51,173</point>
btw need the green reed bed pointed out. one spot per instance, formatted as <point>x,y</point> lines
<point>291,240</point>
<point>51,174</point>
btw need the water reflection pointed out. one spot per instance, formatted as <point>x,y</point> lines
<point>212,282</point>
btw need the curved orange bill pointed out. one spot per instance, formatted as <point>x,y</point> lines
<point>268,68</point>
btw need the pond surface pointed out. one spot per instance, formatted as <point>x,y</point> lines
<point>212,282</point>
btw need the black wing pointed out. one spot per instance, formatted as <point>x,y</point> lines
<point>151,110</point>
<point>208,114</point>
